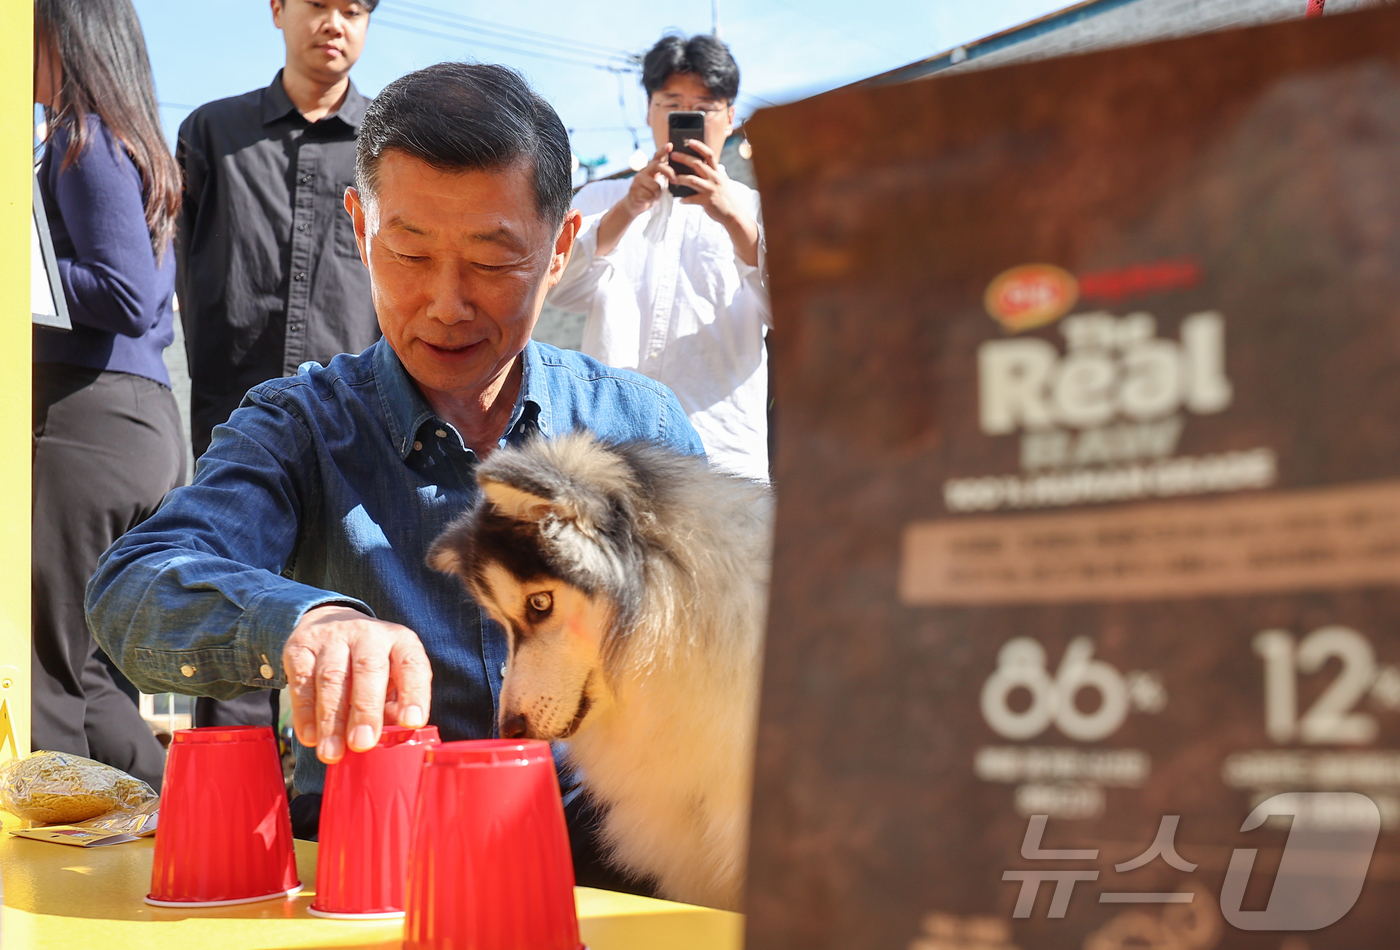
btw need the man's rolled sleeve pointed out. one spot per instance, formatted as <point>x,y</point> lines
<point>193,600</point>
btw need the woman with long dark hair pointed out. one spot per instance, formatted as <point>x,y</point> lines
<point>108,443</point>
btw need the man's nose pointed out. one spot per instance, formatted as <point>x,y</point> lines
<point>449,290</point>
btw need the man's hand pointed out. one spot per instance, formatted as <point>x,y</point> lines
<point>348,673</point>
<point>644,192</point>
<point>712,193</point>
<point>648,182</point>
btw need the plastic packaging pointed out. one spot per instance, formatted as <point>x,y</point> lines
<point>140,822</point>
<point>61,787</point>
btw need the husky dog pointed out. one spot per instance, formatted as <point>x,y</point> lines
<point>632,583</point>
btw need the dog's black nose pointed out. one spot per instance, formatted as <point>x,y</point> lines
<point>515,727</point>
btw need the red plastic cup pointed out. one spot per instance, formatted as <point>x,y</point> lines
<point>366,826</point>
<point>490,867</point>
<point>225,835</point>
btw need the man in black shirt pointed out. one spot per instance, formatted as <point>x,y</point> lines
<point>268,272</point>
<point>267,269</point>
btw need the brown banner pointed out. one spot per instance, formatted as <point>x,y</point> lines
<point>1085,624</point>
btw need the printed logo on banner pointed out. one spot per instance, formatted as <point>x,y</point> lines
<point>1099,415</point>
<point>1031,295</point>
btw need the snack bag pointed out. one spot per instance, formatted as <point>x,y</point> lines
<point>60,787</point>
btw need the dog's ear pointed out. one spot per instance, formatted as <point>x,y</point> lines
<point>446,553</point>
<point>520,505</point>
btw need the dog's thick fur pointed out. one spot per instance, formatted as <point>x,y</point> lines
<point>632,583</point>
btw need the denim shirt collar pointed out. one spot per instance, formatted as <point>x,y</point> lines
<point>406,411</point>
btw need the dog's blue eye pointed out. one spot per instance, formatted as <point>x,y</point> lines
<point>540,603</point>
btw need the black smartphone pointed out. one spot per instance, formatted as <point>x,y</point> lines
<point>682,126</point>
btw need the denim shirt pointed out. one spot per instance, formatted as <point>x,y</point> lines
<point>329,487</point>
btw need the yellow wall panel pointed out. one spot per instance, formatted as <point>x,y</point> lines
<point>16,169</point>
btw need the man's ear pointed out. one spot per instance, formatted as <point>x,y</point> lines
<point>564,246</point>
<point>356,209</point>
<point>277,13</point>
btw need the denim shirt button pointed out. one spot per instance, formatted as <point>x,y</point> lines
<point>441,433</point>
<point>187,670</point>
<point>266,671</point>
<point>503,671</point>
<point>418,446</point>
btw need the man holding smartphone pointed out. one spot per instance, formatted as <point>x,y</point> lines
<point>673,285</point>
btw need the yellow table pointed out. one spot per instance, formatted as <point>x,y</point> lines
<point>63,897</point>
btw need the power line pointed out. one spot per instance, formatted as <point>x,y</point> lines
<point>606,67</point>
<point>622,104</point>
<point>515,32</point>
<point>520,32</point>
<point>498,35</point>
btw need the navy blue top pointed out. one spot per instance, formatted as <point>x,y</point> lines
<point>119,299</point>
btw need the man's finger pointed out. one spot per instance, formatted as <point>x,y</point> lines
<point>647,185</point>
<point>703,186</point>
<point>658,166</point>
<point>332,701</point>
<point>369,686</point>
<point>700,166</point>
<point>412,677</point>
<point>299,662</point>
<point>707,154</point>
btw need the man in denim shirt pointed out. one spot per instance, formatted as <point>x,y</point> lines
<point>297,554</point>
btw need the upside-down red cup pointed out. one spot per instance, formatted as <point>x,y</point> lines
<point>225,835</point>
<point>366,825</point>
<point>490,867</point>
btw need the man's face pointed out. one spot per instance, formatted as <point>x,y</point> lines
<point>459,265</point>
<point>324,37</point>
<point>684,92</point>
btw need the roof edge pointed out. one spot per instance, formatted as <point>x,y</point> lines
<point>1049,23</point>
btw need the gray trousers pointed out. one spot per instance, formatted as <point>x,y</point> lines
<point>107,447</point>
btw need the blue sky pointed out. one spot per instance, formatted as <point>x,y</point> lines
<point>786,49</point>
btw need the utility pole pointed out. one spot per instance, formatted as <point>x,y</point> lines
<point>714,18</point>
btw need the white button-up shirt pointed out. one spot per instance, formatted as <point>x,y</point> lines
<point>673,302</point>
